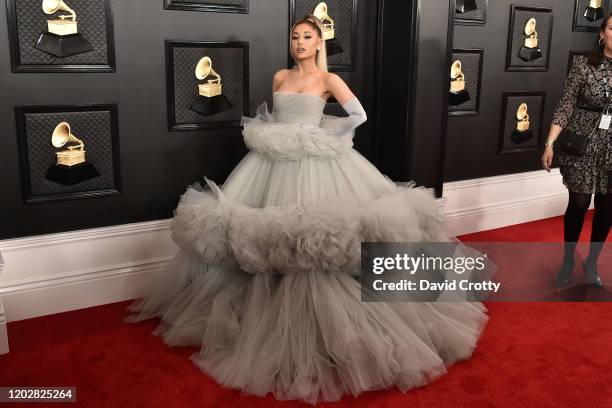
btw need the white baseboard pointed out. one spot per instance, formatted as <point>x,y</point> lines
<point>494,202</point>
<point>60,272</point>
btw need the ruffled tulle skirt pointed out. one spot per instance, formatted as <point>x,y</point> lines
<point>266,283</point>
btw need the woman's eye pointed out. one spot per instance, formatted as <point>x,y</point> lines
<point>308,38</point>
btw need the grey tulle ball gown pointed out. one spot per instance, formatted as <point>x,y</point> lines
<point>266,279</point>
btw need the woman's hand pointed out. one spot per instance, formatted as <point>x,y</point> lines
<point>547,158</point>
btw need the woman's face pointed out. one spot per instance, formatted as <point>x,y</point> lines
<point>606,35</point>
<point>304,42</point>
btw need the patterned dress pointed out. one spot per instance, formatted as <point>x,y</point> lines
<point>585,87</point>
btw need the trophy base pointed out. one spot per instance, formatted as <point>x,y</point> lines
<point>530,54</point>
<point>71,175</point>
<point>210,105</point>
<point>465,6</point>
<point>63,45</point>
<point>594,14</point>
<point>457,98</point>
<point>333,47</point>
<point>521,136</point>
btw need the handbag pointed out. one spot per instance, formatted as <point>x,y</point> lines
<point>571,143</point>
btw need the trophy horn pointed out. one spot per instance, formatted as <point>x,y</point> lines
<point>530,27</point>
<point>320,12</point>
<point>51,6</point>
<point>204,69</point>
<point>61,136</point>
<point>521,112</point>
<point>456,72</point>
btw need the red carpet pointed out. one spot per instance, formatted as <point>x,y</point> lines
<point>531,355</point>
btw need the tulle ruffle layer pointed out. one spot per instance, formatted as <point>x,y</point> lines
<point>293,141</point>
<point>321,236</point>
<point>305,336</point>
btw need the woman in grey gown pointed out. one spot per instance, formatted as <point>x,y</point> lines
<point>266,281</point>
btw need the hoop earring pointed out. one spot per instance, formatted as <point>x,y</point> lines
<point>600,42</point>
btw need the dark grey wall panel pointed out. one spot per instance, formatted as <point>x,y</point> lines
<point>156,165</point>
<point>472,146</point>
<point>425,163</point>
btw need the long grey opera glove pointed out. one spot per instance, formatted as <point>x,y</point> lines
<point>356,116</point>
<point>338,126</point>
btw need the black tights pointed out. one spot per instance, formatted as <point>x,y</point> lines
<point>574,219</point>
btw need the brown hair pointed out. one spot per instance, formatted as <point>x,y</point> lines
<point>598,50</point>
<point>314,22</point>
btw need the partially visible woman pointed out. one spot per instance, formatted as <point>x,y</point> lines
<point>586,95</point>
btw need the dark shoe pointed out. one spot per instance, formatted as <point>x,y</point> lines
<point>564,276</point>
<point>592,275</point>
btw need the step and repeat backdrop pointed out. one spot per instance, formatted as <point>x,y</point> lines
<point>113,107</point>
<point>508,64</point>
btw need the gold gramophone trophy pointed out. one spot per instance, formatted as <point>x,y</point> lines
<point>332,45</point>
<point>594,11</point>
<point>464,6</point>
<point>210,99</point>
<point>530,50</point>
<point>62,38</point>
<point>458,94</point>
<point>522,133</point>
<point>71,167</point>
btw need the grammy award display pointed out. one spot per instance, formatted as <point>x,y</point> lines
<point>68,151</point>
<point>530,51</point>
<point>207,84</point>
<point>62,38</point>
<point>465,6</point>
<point>71,167</point>
<point>522,133</point>
<point>529,38</point>
<point>65,36</point>
<point>588,14</point>
<point>522,119</point>
<point>470,12</point>
<point>594,11</point>
<point>210,99</point>
<point>465,80</point>
<point>458,93</point>
<point>332,45</point>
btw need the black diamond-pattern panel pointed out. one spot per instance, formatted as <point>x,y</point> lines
<point>534,109</point>
<point>543,25</point>
<point>341,11</point>
<point>32,21</point>
<point>227,62</point>
<point>470,65</point>
<point>217,2</point>
<point>583,22</point>
<point>477,16</point>
<point>93,128</point>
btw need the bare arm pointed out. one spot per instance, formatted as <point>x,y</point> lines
<point>338,88</point>
<point>279,77</point>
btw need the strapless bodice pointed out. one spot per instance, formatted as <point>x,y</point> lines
<point>293,107</point>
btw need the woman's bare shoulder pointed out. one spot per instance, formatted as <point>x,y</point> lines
<point>281,74</point>
<point>332,78</point>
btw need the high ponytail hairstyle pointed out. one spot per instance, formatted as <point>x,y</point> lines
<point>598,49</point>
<point>314,22</point>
